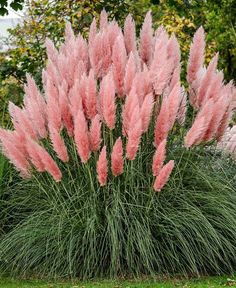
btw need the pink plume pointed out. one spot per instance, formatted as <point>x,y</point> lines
<point>92,31</point>
<point>119,62</point>
<point>173,104</point>
<point>175,77</point>
<point>52,52</point>
<point>75,100</point>
<point>100,54</point>
<point>130,34</point>
<point>219,109</point>
<point>91,96</point>
<point>200,125</point>
<point>159,158</point>
<point>146,111</point>
<point>130,72</point>
<point>163,176</point>
<point>103,20</point>
<point>173,50</point>
<point>224,123</point>
<point>11,148</point>
<point>107,100</point>
<point>113,31</point>
<point>102,167</point>
<point>58,144</point>
<point>34,156</point>
<point>21,121</point>
<point>206,81</point>
<point>161,67</point>
<point>162,123</point>
<point>65,109</point>
<point>53,107</point>
<point>131,102</point>
<point>196,57</point>
<point>95,133</point>
<point>134,134</point>
<point>146,39</point>
<point>182,107</point>
<point>117,161</point>
<point>81,136</point>
<point>48,164</point>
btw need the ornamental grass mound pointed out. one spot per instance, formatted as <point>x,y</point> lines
<point>114,180</point>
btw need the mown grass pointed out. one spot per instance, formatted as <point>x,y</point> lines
<point>204,282</point>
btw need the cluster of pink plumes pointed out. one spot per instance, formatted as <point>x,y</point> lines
<point>84,82</point>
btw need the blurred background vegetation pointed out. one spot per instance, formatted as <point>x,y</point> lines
<point>46,18</point>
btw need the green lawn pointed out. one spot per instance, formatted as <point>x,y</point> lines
<point>208,282</point>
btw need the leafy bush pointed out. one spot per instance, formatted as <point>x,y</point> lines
<point>103,97</point>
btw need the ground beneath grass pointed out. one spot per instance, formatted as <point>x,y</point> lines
<point>205,282</point>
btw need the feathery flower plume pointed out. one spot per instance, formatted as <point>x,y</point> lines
<point>92,31</point>
<point>100,54</point>
<point>52,52</point>
<point>58,144</point>
<point>173,50</point>
<point>107,100</point>
<point>119,62</point>
<point>81,136</point>
<point>21,122</point>
<point>146,111</point>
<point>134,134</point>
<point>162,123</point>
<point>161,67</point>
<point>32,94</point>
<point>130,34</point>
<point>224,123</point>
<point>102,167</point>
<point>53,108</point>
<point>65,109</point>
<point>200,125</point>
<point>159,158</point>
<point>219,109</point>
<point>206,81</point>
<point>75,100</point>
<point>146,39</point>
<point>95,134</point>
<point>34,156</point>
<point>131,102</point>
<point>182,107</point>
<point>117,161</point>
<point>196,57</point>
<point>103,20</point>
<point>91,96</point>
<point>163,176</point>
<point>113,30</point>
<point>48,164</point>
<point>11,148</point>
<point>173,104</point>
<point>130,71</point>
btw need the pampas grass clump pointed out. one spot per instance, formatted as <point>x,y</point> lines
<point>109,183</point>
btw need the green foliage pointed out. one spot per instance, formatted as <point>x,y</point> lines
<point>15,4</point>
<point>79,229</point>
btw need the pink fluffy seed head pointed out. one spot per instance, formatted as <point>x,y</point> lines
<point>129,34</point>
<point>196,57</point>
<point>146,39</point>
<point>162,124</point>
<point>163,176</point>
<point>95,134</point>
<point>146,111</point>
<point>102,167</point>
<point>159,158</point>
<point>81,136</point>
<point>58,144</point>
<point>117,161</point>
